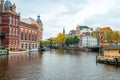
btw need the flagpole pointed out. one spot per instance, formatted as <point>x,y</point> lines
<point>100,39</point>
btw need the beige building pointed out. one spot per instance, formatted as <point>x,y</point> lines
<point>111,52</point>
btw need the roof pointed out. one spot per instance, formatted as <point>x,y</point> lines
<point>28,25</point>
<point>28,20</point>
<point>113,47</point>
<point>82,27</point>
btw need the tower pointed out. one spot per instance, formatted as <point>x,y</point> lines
<point>2,6</point>
<point>63,30</point>
<point>39,22</point>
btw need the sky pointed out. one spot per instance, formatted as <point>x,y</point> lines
<point>59,14</point>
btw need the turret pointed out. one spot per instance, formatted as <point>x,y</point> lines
<point>2,6</point>
<point>63,30</point>
<point>39,20</point>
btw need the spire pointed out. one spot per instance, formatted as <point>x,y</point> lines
<point>39,20</point>
<point>63,30</point>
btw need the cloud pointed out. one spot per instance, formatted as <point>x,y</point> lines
<point>57,14</point>
<point>111,19</point>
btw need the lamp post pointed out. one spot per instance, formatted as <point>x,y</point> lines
<point>51,43</point>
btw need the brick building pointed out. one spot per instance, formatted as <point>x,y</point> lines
<point>16,34</point>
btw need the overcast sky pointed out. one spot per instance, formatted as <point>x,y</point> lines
<point>59,14</point>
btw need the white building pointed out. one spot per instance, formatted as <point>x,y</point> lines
<point>84,33</point>
<point>89,41</point>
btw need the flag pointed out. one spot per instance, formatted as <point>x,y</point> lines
<point>101,38</point>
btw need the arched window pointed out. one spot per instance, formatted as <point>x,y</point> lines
<point>21,35</point>
<point>25,36</point>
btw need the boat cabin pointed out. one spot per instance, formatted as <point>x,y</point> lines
<point>111,52</point>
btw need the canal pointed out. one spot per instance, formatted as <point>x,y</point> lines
<point>56,65</point>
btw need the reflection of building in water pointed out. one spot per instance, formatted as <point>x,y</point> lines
<point>23,58</point>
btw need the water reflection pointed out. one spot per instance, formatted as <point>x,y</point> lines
<point>55,65</point>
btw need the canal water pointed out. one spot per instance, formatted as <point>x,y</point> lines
<point>56,65</point>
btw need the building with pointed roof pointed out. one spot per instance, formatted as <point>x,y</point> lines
<point>63,30</point>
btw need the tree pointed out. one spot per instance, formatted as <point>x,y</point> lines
<point>72,40</point>
<point>108,34</point>
<point>67,42</point>
<point>75,40</point>
<point>60,38</point>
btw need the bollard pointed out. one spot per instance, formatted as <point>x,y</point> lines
<point>96,58</point>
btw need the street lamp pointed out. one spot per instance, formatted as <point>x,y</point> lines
<point>51,43</point>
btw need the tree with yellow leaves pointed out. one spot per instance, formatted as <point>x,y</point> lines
<point>60,38</point>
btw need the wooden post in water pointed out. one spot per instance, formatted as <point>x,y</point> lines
<point>116,61</point>
<point>96,58</point>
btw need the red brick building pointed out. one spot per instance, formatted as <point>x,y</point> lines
<point>18,35</point>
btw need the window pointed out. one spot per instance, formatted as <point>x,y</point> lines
<point>11,30</point>
<point>0,19</point>
<point>33,46</point>
<point>13,21</point>
<point>32,37</point>
<point>29,46</point>
<point>10,42</point>
<point>26,46</point>
<point>21,35</point>
<point>29,37</point>
<point>22,45</point>
<point>25,36</point>
<point>16,42</point>
<point>16,31</point>
<point>13,41</point>
<point>10,20</point>
<point>35,38</point>
<point>16,22</point>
